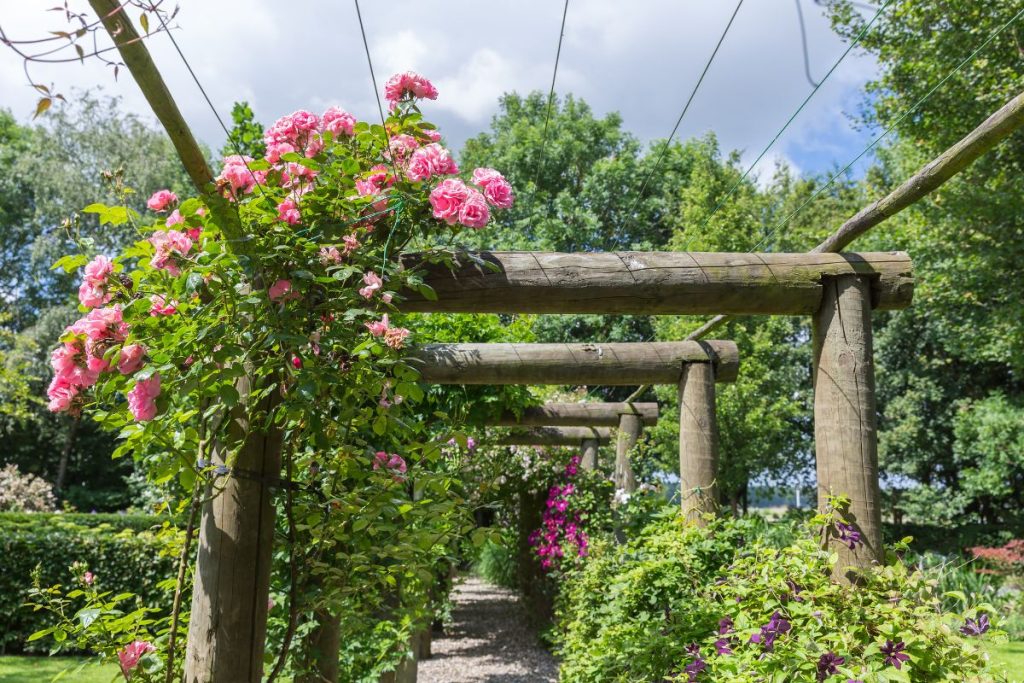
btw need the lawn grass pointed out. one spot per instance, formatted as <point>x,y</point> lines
<point>43,669</point>
<point>1009,656</point>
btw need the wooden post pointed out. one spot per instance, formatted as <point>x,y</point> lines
<point>326,646</point>
<point>845,437</point>
<point>588,454</point>
<point>698,441</point>
<point>629,433</point>
<point>228,622</point>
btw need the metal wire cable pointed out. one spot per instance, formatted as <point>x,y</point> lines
<point>906,112</point>
<point>551,98</point>
<point>746,173</point>
<point>803,42</point>
<point>686,107</point>
<point>376,91</point>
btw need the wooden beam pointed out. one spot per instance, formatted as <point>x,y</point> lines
<point>578,415</point>
<point>618,364</point>
<point>928,178</point>
<point>556,436</point>
<point>698,443</point>
<point>845,433</point>
<point>629,433</point>
<point>651,283</point>
<point>588,454</point>
<point>931,176</point>
<point>140,64</point>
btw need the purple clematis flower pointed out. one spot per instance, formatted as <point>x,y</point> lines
<point>849,535</point>
<point>894,654</point>
<point>694,668</point>
<point>828,664</point>
<point>775,627</point>
<point>975,627</point>
<point>725,626</point>
<point>722,647</point>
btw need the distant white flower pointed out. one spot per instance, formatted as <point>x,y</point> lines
<point>621,497</point>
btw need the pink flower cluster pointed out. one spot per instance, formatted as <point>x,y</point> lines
<point>561,526</point>
<point>393,462</point>
<point>86,352</point>
<point>373,284</point>
<point>282,291</point>
<point>142,398</point>
<point>130,655</point>
<point>408,85</point>
<point>93,291</point>
<point>161,200</point>
<point>393,336</point>
<point>333,255</point>
<point>429,161</point>
<point>453,201</point>
<point>172,247</point>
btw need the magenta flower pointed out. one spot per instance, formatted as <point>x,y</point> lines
<point>131,654</point>
<point>975,627</point>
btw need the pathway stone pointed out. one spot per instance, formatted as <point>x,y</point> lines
<point>487,642</point>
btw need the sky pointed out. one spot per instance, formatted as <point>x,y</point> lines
<point>639,58</point>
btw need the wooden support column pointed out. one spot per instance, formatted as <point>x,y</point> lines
<point>629,433</point>
<point>228,623</point>
<point>326,646</point>
<point>698,441</point>
<point>588,454</point>
<point>845,437</point>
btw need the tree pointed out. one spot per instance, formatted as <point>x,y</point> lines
<point>963,339</point>
<point>246,135</point>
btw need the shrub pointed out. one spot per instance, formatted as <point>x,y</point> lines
<point>24,492</point>
<point>122,560</point>
<point>717,603</point>
<point>497,561</point>
<point>113,521</point>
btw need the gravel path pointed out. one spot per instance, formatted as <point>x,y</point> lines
<point>488,641</point>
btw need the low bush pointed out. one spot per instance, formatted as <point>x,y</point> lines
<point>120,558</point>
<point>497,561</point>
<point>718,603</point>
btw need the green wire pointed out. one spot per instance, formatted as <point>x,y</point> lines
<point>803,104</point>
<point>907,112</point>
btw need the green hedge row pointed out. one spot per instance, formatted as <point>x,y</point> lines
<point>953,540</point>
<point>123,559</point>
<point>117,521</point>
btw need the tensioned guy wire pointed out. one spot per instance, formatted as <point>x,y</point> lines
<point>376,91</point>
<point>551,98</point>
<point>739,181</point>
<point>686,107</point>
<point>906,112</point>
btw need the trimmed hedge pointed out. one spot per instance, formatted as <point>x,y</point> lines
<point>122,558</point>
<point>954,540</point>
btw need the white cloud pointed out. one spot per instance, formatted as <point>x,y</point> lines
<point>640,59</point>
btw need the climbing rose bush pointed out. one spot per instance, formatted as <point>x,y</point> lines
<point>720,603</point>
<point>279,308</point>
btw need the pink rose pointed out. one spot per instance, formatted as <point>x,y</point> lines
<point>62,394</point>
<point>408,84</point>
<point>430,160</point>
<point>338,121</point>
<point>236,176</point>
<point>395,337</point>
<point>160,306</point>
<point>496,189</point>
<point>132,357</point>
<point>296,362</point>
<point>161,199</point>
<point>474,212</point>
<point>447,199</point>
<point>91,297</point>
<point>278,149</point>
<point>98,270</point>
<point>484,176</point>
<point>174,219</point>
<point>171,247</point>
<point>288,211</point>
<point>282,291</point>
<point>142,398</point>
<point>372,282</point>
<point>351,244</point>
<point>131,654</point>
<point>88,578</point>
<point>329,255</point>
<point>402,145</point>
<point>432,135</point>
<point>379,327</point>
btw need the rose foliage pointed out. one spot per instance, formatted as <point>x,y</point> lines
<point>292,330</point>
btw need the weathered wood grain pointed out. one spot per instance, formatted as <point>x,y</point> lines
<point>698,442</point>
<point>845,436</point>
<point>652,283</point>
<point>630,426</point>
<point>578,415</point>
<point>617,364</point>
<point>555,436</point>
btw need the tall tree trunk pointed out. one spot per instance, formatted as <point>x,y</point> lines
<point>65,455</point>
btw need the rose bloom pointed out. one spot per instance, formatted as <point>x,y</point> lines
<point>282,291</point>
<point>161,199</point>
<point>288,211</point>
<point>474,212</point>
<point>447,199</point>
<point>372,282</point>
<point>132,357</point>
<point>379,327</point>
<point>408,83</point>
<point>338,121</point>
<point>160,306</point>
<point>142,398</point>
<point>131,654</point>
<point>395,337</point>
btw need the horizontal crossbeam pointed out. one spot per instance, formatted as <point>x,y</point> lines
<point>616,364</point>
<point>556,436</point>
<point>578,415</point>
<point>651,283</point>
